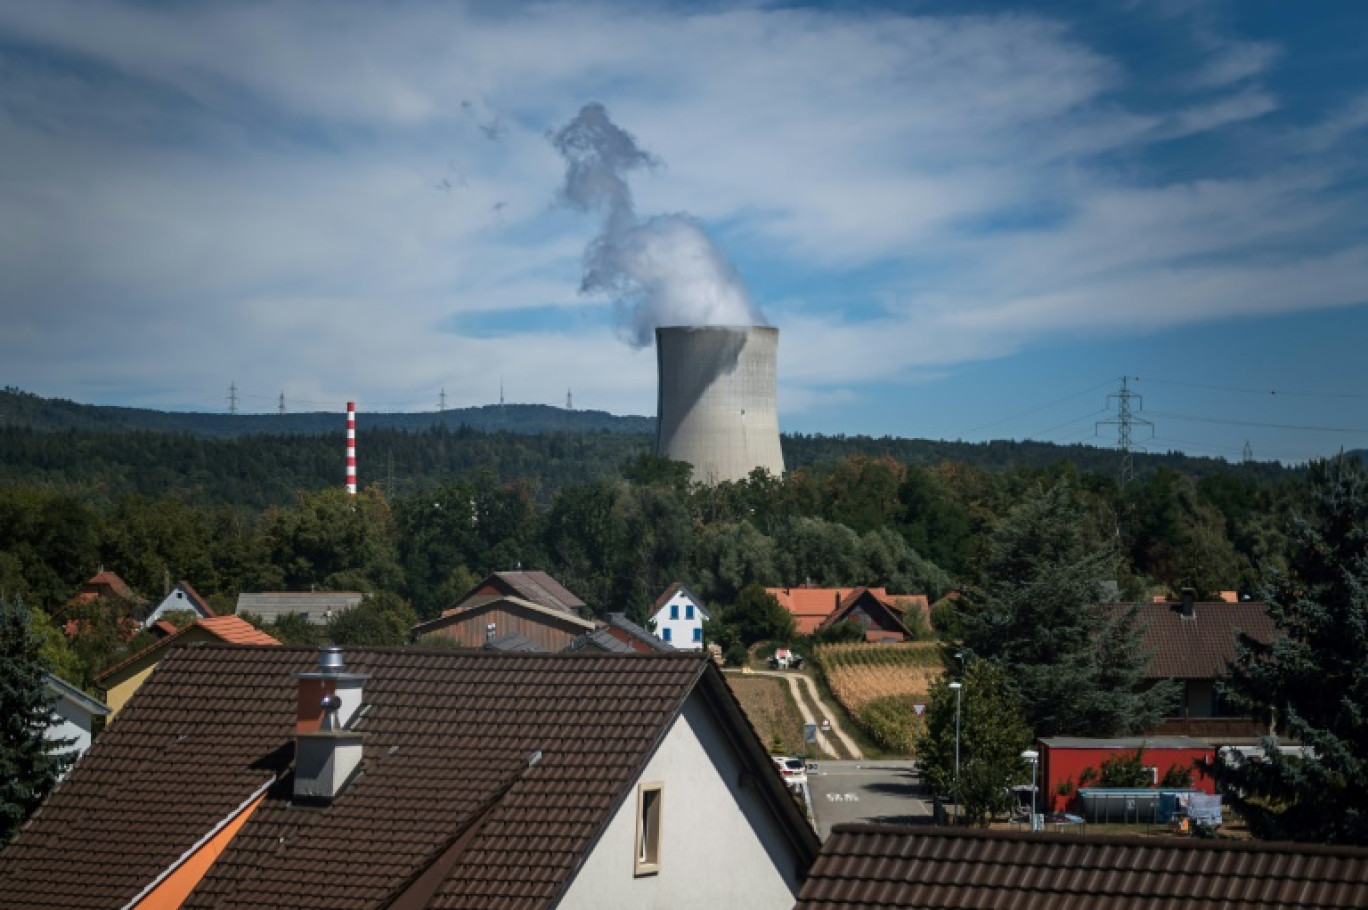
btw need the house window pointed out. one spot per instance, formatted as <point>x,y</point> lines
<point>648,828</point>
<point>698,634</point>
<point>688,611</point>
<point>666,634</point>
<point>674,611</point>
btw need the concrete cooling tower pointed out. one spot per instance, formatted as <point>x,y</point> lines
<point>716,408</point>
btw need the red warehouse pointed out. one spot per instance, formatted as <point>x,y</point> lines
<point>1063,759</point>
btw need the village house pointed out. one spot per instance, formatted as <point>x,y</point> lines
<point>121,680</point>
<point>180,599</point>
<point>881,615</point>
<point>316,607</point>
<point>1195,642</point>
<point>678,615</point>
<point>75,716</point>
<point>265,777</point>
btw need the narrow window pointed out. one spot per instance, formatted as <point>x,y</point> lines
<point>674,611</point>
<point>666,636</point>
<point>688,611</point>
<point>648,828</point>
<point>698,634</point>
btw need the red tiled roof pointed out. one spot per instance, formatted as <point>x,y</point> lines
<point>933,868</point>
<point>232,630</point>
<point>1200,646</point>
<point>809,606</point>
<point>880,602</point>
<point>104,581</point>
<point>448,764</point>
<point>165,627</point>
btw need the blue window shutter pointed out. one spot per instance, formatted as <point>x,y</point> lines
<point>666,636</point>
<point>688,611</point>
<point>674,611</point>
<point>698,634</point>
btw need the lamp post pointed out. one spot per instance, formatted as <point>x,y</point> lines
<point>958,687</point>
<point>1033,757</point>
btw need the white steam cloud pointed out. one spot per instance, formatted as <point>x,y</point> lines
<point>661,271</point>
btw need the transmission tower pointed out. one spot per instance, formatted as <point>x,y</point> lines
<point>1128,404</point>
<point>501,400</point>
<point>232,398</point>
<point>281,406</point>
<point>569,401</point>
<point>441,400</point>
<point>1248,453</point>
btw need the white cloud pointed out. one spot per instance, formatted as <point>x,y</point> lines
<point>303,195</point>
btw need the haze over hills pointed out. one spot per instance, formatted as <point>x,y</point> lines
<point>24,409</point>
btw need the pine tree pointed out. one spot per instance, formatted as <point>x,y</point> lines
<point>1077,663</point>
<point>1313,679</point>
<point>29,763</point>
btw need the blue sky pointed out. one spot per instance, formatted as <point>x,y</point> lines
<point>968,220</point>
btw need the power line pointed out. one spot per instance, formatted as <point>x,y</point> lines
<point>1253,423</point>
<point>1274,392</point>
<point>1034,410</point>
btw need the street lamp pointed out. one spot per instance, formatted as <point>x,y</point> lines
<point>958,687</point>
<point>1032,756</point>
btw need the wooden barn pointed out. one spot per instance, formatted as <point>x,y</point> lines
<point>488,618</point>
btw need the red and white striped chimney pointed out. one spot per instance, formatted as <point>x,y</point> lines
<point>351,447</point>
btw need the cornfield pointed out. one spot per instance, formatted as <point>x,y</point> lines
<point>877,684</point>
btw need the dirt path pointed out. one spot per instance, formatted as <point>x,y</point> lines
<point>797,682</point>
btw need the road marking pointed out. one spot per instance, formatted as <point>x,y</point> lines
<point>843,797</point>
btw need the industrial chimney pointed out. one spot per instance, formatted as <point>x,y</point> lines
<point>716,407</point>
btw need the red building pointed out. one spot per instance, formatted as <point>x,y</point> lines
<point>1063,760</point>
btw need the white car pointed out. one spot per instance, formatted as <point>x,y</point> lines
<point>793,770</point>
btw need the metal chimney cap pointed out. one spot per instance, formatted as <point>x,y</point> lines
<point>330,659</point>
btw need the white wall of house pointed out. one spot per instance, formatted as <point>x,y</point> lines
<point>175,602</point>
<point>680,622</point>
<point>720,844</point>
<point>75,721</point>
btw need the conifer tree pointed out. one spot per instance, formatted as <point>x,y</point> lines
<point>29,763</point>
<point>1313,679</point>
<point>1076,662</point>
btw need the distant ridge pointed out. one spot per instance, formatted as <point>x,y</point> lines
<point>24,409</point>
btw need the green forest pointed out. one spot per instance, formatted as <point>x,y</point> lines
<point>441,506</point>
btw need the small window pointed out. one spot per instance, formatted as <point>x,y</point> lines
<point>698,634</point>
<point>674,611</point>
<point>688,611</point>
<point>666,634</point>
<point>648,828</point>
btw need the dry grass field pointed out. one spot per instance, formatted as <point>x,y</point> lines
<point>768,704</point>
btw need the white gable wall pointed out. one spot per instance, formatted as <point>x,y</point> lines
<point>681,629</point>
<point>720,844</point>
<point>174,602</point>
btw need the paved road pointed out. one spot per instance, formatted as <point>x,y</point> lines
<point>797,680</point>
<point>866,791</point>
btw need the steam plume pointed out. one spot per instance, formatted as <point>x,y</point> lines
<point>661,271</point>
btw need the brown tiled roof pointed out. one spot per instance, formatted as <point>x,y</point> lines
<point>232,630</point>
<point>1202,645</point>
<point>809,606</point>
<point>543,589</point>
<point>195,597</point>
<point>647,638</point>
<point>926,867</point>
<point>450,740</point>
<point>108,581</point>
<point>892,615</point>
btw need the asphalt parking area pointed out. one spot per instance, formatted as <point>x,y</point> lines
<point>888,792</point>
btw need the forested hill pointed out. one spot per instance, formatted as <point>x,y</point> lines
<point>23,409</point>
<point>256,461</point>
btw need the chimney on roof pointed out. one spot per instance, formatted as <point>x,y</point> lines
<point>327,752</point>
<point>1185,605</point>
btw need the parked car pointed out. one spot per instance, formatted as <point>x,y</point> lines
<point>793,770</point>
<point>784,659</point>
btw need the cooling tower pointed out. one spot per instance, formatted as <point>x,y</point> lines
<point>716,407</point>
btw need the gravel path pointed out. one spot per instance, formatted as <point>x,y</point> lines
<point>797,682</point>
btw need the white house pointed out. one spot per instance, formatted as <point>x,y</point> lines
<point>76,712</point>
<point>422,778</point>
<point>180,599</point>
<point>678,616</point>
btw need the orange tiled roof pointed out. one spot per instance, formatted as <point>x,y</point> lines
<point>233,630</point>
<point>809,606</point>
